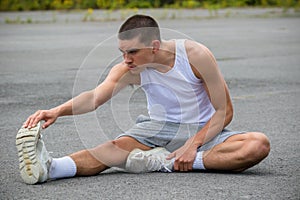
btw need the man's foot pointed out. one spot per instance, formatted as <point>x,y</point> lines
<point>34,160</point>
<point>140,161</point>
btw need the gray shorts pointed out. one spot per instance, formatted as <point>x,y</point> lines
<point>170,135</point>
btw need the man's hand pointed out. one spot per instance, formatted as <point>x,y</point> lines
<point>49,116</point>
<point>184,157</point>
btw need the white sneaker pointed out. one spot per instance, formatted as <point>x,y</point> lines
<point>140,161</point>
<point>34,160</point>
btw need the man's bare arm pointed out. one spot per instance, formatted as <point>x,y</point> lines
<point>85,102</point>
<point>205,67</point>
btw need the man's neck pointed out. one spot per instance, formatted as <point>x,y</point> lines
<point>165,57</point>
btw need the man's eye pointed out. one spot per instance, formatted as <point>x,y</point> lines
<point>132,51</point>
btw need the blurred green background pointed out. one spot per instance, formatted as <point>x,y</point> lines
<point>26,5</point>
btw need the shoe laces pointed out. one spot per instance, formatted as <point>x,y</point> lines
<point>156,163</point>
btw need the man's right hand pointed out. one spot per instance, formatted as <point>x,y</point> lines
<point>49,116</point>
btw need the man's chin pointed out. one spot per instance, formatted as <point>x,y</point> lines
<point>136,70</point>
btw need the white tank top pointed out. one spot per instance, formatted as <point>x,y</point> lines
<point>177,95</point>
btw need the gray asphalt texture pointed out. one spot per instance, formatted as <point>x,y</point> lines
<point>41,67</point>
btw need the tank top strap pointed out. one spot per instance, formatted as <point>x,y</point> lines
<point>180,49</point>
<point>182,61</point>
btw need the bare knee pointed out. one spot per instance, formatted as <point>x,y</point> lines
<point>128,144</point>
<point>257,147</point>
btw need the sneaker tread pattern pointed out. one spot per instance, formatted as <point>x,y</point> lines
<point>26,141</point>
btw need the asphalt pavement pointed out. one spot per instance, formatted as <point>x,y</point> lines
<point>45,63</point>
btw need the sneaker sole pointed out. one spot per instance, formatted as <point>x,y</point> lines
<point>26,142</point>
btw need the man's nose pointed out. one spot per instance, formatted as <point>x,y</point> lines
<point>127,58</point>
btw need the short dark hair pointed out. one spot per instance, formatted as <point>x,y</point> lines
<point>140,25</point>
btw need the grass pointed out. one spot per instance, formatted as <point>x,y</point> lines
<point>18,20</point>
<point>91,15</point>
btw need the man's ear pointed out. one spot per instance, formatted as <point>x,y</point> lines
<point>155,45</point>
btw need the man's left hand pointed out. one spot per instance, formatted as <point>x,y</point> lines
<point>184,157</point>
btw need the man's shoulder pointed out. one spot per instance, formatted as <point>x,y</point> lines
<point>118,70</point>
<point>122,73</point>
<point>192,47</point>
<point>199,56</point>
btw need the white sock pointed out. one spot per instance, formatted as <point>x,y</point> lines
<point>198,163</point>
<point>62,168</point>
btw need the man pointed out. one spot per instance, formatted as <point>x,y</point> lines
<point>189,107</point>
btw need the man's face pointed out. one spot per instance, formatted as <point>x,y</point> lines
<point>136,54</point>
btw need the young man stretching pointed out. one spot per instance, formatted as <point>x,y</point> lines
<point>188,104</point>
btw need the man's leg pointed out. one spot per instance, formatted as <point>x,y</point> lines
<point>37,166</point>
<point>112,153</point>
<point>238,152</point>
